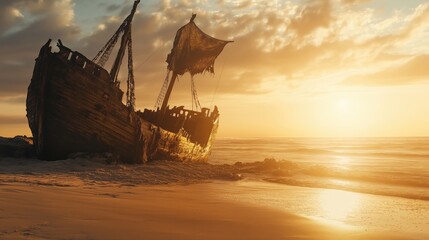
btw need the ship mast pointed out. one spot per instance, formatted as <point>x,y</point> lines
<point>193,51</point>
<point>126,44</point>
<point>126,37</point>
<point>172,81</point>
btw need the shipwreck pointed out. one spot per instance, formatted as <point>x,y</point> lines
<point>75,105</point>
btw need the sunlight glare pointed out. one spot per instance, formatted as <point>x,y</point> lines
<point>337,205</point>
<point>343,104</point>
<point>343,162</point>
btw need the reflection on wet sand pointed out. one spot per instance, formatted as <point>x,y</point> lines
<point>337,205</point>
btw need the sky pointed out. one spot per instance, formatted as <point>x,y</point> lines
<point>309,68</point>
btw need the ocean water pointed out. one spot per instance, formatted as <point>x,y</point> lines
<point>377,184</point>
<point>384,166</point>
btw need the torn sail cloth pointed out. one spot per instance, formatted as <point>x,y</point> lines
<point>194,51</point>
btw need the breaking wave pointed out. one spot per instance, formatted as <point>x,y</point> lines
<point>387,166</point>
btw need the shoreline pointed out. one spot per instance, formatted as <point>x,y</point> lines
<point>88,196</point>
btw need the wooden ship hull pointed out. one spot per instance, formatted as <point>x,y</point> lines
<point>73,107</point>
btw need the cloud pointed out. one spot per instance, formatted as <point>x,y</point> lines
<point>12,120</point>
<point>8,17</point>
<point>355,1</point>
<point>292,41</point>
<point>113,7</point>
<point>311,17</point>
<point>412,24</point>
<point>414,70</point>
<point>19,99</point>
<point>40,20</point>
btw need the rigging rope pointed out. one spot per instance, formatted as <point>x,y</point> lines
<point>194,95</point>
<point>103,55</point>
<point>131,99</point>
<point>163,90</point>
<point>147,58</point>
<point>217,85</point>
<point>126,44</point>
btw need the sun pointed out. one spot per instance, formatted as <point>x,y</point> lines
<point>343,105</point>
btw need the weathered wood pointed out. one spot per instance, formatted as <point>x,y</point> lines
<point>83,111</point>
<point>75,105</point>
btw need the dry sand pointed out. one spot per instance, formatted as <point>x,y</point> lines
<point>148,212</point>
<point>84,198</point>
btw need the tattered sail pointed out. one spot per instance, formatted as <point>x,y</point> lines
<point>194,51</point>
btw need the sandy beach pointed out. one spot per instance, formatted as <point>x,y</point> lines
<point>149,212</point>
<point>85,198</point>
